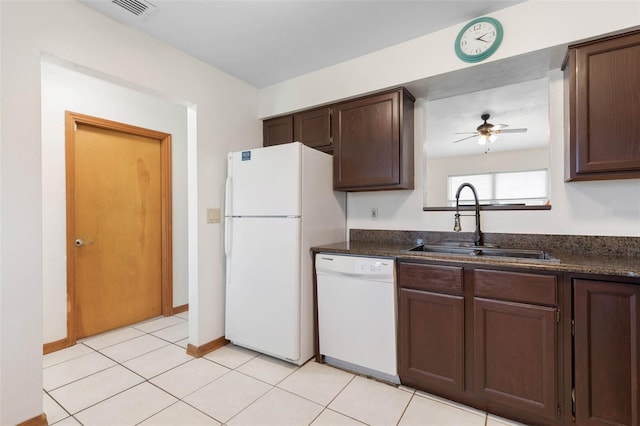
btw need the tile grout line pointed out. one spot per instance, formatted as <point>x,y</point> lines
<point>406,408</point>
<point>277,385</point>
<point>178,399</point>
<point>148,380</point>
<point>61,406</point>
<point>94,350</point>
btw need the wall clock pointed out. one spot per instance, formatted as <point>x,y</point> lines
<point>479,39</point>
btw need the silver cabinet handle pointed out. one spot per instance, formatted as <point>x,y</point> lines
<point>80,242</point>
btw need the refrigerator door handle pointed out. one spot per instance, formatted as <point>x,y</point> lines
<point>227,236</point>
<point>227,250</point>
<point>227,196</point>
<point>227,219</point>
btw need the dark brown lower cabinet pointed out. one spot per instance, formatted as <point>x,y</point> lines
<point>606,353</point>
<point>496,339</point>
<point>484,337</point>
<point>515,355</point>
<point>432,339</point>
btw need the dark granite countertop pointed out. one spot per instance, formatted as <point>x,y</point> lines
<point>578,254</point>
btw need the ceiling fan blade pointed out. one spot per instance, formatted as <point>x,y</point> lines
<point>499,126</point>
<point>511,130</point>
<point>466,133</point>
<point>464,139</point>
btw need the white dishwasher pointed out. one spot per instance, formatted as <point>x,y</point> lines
<point>357,314</point>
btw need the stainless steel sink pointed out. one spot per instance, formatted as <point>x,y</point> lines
<point>487,251</point>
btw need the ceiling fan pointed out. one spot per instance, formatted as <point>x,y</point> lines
<point>488,132</point>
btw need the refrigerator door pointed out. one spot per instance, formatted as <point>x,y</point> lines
<point>263,285</point>
<point>264,181</point>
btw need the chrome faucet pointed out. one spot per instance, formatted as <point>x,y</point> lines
<point>477,235</point>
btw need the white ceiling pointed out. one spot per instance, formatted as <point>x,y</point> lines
<point>519,105</point>
<point>266,42</point>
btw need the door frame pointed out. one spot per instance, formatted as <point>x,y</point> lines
<point>72,119</point>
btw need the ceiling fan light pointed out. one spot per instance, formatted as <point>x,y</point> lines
<point>482,140</point>
<point>492,138</point>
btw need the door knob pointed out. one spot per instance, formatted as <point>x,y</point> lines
<point>80,242</point>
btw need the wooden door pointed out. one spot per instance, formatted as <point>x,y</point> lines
<point>118,224</point>
<point>515,360</point>
<point>607,353</point>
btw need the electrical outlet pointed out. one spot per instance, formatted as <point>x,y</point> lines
<point>374,213</point>
<point>213,215</point>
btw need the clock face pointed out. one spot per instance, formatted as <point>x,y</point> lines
<point>479,39</point>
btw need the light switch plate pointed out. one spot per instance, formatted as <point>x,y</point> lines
<point>213,215</point>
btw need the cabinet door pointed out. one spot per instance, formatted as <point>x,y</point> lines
<point>276,131</point>
<point>605,106</point>
<point>607,353</point>
<point>373,143</point>
<point>313,128</point>
<point>515,355</point>
<point>432,341</point>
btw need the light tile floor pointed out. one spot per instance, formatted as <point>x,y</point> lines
<point>141,375</point>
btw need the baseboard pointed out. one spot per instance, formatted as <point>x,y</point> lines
<point>180,309</point>
<point>63,343</point>
<point>198,351</point>
<point>40,420</point>
<point>54,346</point>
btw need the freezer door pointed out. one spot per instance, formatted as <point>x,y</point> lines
<point>263,285</point>
<point>265,181</point>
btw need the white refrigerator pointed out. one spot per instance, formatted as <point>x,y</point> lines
<point>279,203</point>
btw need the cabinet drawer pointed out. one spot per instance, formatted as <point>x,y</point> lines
<point>516,286</point>
<point>440,279</point>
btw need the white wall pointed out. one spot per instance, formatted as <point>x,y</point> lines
<point>561,22</point>
<point>222,116</point>
<point>589,208</point>
<point>63,90</point>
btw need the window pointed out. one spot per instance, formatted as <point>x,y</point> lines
<point>515,188</point>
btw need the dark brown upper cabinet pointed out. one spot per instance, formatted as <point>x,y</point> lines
<point>371,138</point>
<point>373,142</point>
<point>604,108</point>
<point>313,128</point>
<point>276,131</point>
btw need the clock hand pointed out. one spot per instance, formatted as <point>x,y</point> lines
<point>481,39</point>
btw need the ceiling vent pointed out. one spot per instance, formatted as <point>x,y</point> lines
<point>139,8</point>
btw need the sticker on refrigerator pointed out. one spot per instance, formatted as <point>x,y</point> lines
<point>246,155</point>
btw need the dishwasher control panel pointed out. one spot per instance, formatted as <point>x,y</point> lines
<point>366,267</point>
<point>373,266</point>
